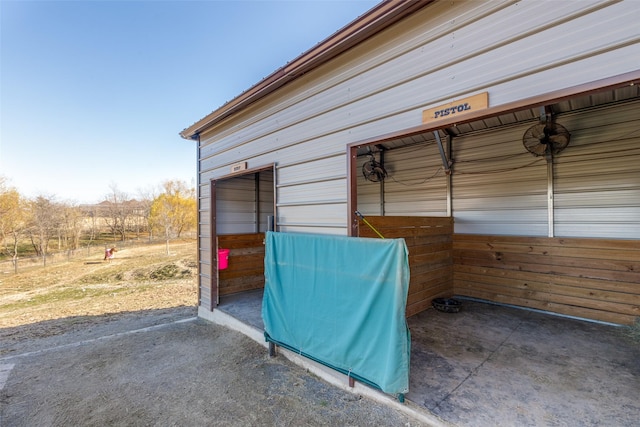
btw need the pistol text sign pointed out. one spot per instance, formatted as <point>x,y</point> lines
<point>456,108</point>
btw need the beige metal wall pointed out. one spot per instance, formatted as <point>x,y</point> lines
<point>416,184</point>
<point>499,188</point>
<point>597,178</point>
<point>450,49</point>
<point>244,203</point>
<point>236,200</point>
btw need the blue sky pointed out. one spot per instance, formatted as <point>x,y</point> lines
<point>94,93</point>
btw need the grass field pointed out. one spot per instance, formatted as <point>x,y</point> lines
<point>137,279</point>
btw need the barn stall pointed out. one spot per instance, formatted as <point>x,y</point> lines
<point>507,161</point>
<point>555,234</point>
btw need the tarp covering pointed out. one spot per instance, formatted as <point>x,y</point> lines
<point>341,301</point>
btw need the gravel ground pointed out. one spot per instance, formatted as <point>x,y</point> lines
<point>93,343</point>
<point>169,368</point>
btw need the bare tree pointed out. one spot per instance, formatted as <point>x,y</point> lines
<point>116,212</point>
<point>146,198</point>
<point>136,220</point>
<point>72,225</point>
<point>90,223</point>
<point>44,221</point>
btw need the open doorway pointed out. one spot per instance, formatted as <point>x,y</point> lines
<point>243,208</point>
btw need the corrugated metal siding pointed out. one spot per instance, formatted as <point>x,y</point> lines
<point>313,194</point>
<point>597,177</point>
<point>513,50</point>
<point>384,83</point>
<point>266,199</point>
<point>236,205</point>
<point>327,168</point>
<point>498,186</point>
<point>501,189</point>
<point>370,199</point>
<point>204,245</point>
<point>321,218</point>
<point>415,186</point>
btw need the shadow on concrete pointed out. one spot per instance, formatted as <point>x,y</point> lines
<point>495,365</point>
<point>56,332</point>
<point>168,368</point>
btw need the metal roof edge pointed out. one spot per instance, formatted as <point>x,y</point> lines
<point>381,16</point>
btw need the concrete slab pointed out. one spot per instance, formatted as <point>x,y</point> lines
<point>246,306</point>
<point>491,365</point>
<point>496,365</point>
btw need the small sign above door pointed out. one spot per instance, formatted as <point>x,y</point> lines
<point>456,108</point>
<point>237,167</point>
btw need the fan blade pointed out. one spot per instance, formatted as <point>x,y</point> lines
<point>535,147</point>
<point>559,142</point>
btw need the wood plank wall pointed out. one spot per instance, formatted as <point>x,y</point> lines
<point>591,278</point>
<point>430,244</point>
<point>596,279</point>
<point>246,263</point>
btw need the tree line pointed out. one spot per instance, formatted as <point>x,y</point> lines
<point>41,224</point>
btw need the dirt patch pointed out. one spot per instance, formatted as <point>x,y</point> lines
<point>118,343</point>
<point>138,279</point>
<point>184,373</point>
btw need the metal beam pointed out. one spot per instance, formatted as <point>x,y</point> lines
<point>445,162</point>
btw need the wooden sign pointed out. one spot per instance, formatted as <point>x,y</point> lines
<point>456,108</point>
<point>237,167</point>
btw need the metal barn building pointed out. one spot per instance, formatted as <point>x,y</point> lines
<point>501,139</point>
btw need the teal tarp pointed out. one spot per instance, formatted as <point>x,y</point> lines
<point>341,301</point>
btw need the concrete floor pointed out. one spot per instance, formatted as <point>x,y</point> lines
<point>245,306</point>
<point>491,365</point>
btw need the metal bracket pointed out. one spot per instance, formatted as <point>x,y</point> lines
<point>546,117</point>
<point>446,164</point>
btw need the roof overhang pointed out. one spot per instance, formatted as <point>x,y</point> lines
<point>372,22</point>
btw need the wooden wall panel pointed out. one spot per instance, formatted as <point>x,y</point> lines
<point>246,263</point>
<point>597,279</point>
<point>430,244</point>
<point>591,278</point>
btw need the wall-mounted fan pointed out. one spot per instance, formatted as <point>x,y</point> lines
<point>373,170</point>
<point>546,138</point>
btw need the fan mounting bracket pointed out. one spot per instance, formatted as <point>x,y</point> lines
<point>446,164</point>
